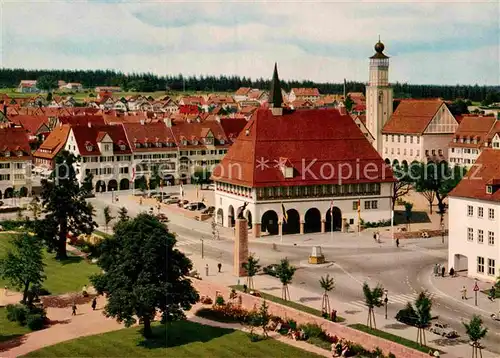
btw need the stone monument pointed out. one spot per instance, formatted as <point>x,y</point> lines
<point>240,246</point>
<point>317,256</point>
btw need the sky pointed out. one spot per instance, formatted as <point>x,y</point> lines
<point>446,42</point>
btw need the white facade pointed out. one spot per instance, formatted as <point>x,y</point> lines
<point>15,174</point>
<point>229,198</point>
<point>474,237</point>
<point>379,101</point>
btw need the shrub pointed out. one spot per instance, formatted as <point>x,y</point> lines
<point>12,225</point>
<point>292,324</point>
<point>17,313</point>
<point>35,322</point>
<point>407,315</point>
<point>312,330</point>
<point>219,301</point>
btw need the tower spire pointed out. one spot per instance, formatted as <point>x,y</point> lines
<point>275,96</point>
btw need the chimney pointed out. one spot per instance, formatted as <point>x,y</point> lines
<point>89,124</point>
<point>142,122</point>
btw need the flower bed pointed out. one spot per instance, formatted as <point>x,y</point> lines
<point>418,234</point>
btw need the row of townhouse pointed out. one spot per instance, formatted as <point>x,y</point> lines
<point>473,135</point>
<point>15,162</point>
<point>118,154</point>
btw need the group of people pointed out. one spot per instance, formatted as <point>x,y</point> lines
<point>93,305</point>
<point>440,270</point>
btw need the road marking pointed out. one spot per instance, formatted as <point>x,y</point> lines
<point>348,274</point>
<point>400,299</point>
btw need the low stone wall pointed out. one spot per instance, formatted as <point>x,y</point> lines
<point>368,341</point>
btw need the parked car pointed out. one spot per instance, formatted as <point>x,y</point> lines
<point>197,205</point>
<point>444,330</point>
<point>152,194</point>
<point>209,211</point>
<point>171,200</point>
<point>183,203</point>
<point>270,270</point>
<point>162,217</point>
<point>407,315</point>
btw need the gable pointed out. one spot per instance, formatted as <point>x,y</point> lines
<point>106,139</point>
<point>443,122</point>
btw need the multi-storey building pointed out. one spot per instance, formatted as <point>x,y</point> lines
<point>104,153</point>
<point>419,130</point>
<point>304,94</point>
<point>315,164</point>
<point>474,207</point>
<point>474,134</point>
<point>15,162</point>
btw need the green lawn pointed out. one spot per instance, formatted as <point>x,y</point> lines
<point>10,330</point>
<point>62,276</point>
<point>181,339</point>
<point>291,304</point>
<point>391,337</point>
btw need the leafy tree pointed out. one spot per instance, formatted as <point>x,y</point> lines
<point>65,207</point>
<point>285,272</point>
<point>251,267</point>
<point>87,183</point>
<point>46,82</point>
<point>150,276</point>
<point>459,107</point>
<point>348,103</point>
<point>23,264</point>
<point>123,214</point>
<point>201,176</point>
<point>408,213</point>
<point>423,306</point>
<point>436,180</point>
<point>476,332</point>
<point>327,283</point>
<point>107,216</point>
<point>373,298</point>
<point>403,184</point>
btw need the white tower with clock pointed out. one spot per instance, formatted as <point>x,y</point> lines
<point>379,96</point>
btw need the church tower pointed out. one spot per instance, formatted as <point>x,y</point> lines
<point>378,96</point>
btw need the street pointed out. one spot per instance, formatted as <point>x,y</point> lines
<point>352,260</point>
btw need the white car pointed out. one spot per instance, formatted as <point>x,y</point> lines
<point>442,329</point>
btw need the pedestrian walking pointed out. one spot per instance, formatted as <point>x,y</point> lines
<point>219,266</point>
<point>492,293</point>
<point>443,270</point>
<point>375,236</point>
<point>5,289</point>
<point>452,272</point>
<point>140,201</point>
<point>436,270</point>
<point>206,270</point>
<point>73,309</point>
<point>464,293</point>
<point>397,242</point>
<point>94,303</point>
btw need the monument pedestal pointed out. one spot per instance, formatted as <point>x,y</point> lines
<point>240,247</point>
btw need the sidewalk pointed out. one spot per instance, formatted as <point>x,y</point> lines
<point>451,287</point>
<point>351,313</point>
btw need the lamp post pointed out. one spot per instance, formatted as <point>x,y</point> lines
<point>386,301</point>
<point>442,233</point>
<point>113,195</point>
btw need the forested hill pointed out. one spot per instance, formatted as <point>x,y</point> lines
<point>146,82</point>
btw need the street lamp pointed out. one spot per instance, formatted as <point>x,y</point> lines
<point>386,300</point>
<point>202,251</point>
<point>113,195</point>
<point>442,233</point>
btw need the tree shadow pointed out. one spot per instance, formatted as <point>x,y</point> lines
<point>70,260</point>
<point>58,321</point>
<point>179,333</point>
<point>449,342</point>
<point>11,341</point>
<point>309,299</point>
<point>352,311</point>
<point>417,217</point>
<point>397,326</point>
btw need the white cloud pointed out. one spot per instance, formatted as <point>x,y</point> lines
<point>448,42</point>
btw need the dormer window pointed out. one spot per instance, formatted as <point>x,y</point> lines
<point>158,144</point>
<point>7,154</point>
<point>122,147</point>
<point>489,189</point>
<point>461,140</point>
<point>89,146</point>
<point>221,141</point>
<point>137,145</point>
<point>195,142</point>
<point>19,153</point>
<point>184,142</point>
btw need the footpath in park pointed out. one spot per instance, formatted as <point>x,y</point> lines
<point>352,314</point>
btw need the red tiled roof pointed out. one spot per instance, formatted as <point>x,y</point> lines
<point>189,109</point>
<point>232,126</point>
<point>14,140</point>
<point>31,123</point>
<point>92,135</point>
<point>148,133</point>
<point>360,108</point>
<point>82,120</point>
<point>305,91</point>
<point>193,100</point>
<point>473,185</point>
<point>54,143</point>
<point>473,127</point>
<point>195,130</point>
<point>412,116</point>
<point>313,139</point>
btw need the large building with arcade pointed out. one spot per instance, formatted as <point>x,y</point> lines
<point>306,163</point>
